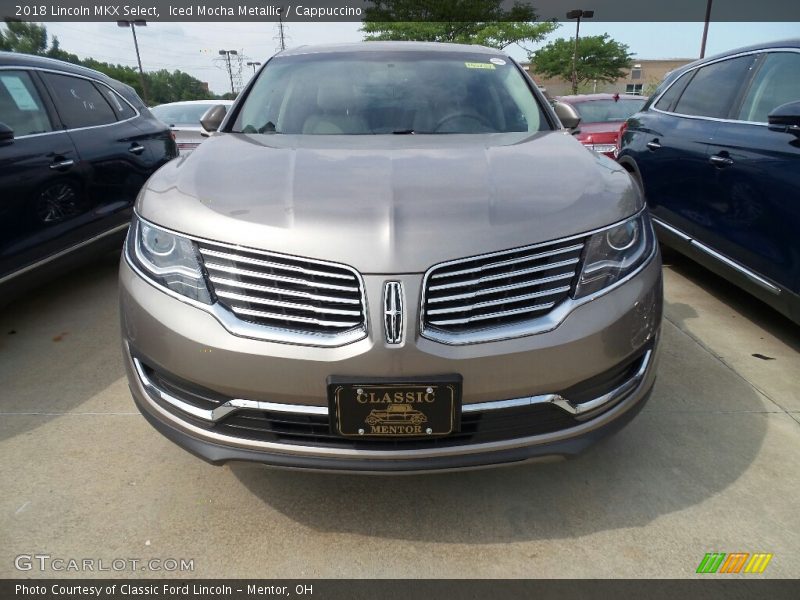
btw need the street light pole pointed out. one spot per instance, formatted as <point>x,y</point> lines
<point>227,54</point>
<point>133,25</point>
<point>253,64</point>
<point>577,14</point>
<point>705,29</point>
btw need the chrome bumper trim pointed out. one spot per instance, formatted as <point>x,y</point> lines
<point>187,427</point>
<point>235,405</point>
<point>582,409</point>
<point>223,410</point>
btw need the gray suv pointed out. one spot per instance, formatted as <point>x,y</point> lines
<point>390,257</point>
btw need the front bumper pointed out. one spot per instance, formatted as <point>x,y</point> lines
<point>560,371</point>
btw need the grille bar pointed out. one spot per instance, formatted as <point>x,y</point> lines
<point>511,261</point>
<point>294,319</point>
<point>283,304</point>
<point>290,293</point>
<point>275,290</point>
<point>271,264</point>
<point>280,278</point>
<point>502,288</point>
<point>486,278</point>
<point>477,305</point>
<point>495,315</point>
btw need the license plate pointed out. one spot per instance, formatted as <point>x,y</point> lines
<point>391,408</point>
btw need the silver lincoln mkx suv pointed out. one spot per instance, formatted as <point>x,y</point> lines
<point>390,257</point>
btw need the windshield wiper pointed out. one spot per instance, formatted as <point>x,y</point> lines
<point>404,132</point>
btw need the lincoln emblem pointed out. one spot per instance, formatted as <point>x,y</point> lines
<point>393,311</point>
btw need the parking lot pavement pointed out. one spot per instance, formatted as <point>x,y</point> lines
<point>711,464</point>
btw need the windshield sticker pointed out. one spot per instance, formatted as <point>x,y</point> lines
<point>497,61</point>
<point>478,65</point>
<point>22,97</point>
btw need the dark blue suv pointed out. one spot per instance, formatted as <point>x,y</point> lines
<point>75,149</point>
<point>716,150</point>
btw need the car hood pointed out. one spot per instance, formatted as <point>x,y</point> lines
<point>388,204</point>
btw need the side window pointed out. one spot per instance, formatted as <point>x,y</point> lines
<point>78,102</point>
<point>122,108</point>
<point>777,82</point>
<point>669,97</point>
<point>712,90</point>
<point>21,107</point>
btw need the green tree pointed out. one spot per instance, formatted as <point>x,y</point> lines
<point>484,22</point>
<point>164,86</point>
<point>29,38</point>
<point>599,57</point>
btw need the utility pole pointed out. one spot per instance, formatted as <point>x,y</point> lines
<point>133,25</point>
<point>705,29</point>
<point>227,54</point>
<point>577,14</point>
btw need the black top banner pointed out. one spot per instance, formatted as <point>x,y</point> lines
<point>396,10</point>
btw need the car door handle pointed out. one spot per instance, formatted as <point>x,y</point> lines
<point>136,149</point>
<point>654,145</point>
<point>720,161</point>
<point>62,164</point>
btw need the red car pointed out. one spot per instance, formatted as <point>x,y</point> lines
<point>601,116</point>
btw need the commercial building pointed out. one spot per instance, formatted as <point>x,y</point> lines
<point>642,78</point>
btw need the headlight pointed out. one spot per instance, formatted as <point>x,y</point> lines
<point>614,253</point>
<point>167,259</point>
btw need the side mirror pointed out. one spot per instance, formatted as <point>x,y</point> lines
<point>568,116</point>
<point>786,118</point>
<point>6,134</point>
<point>213,117</point>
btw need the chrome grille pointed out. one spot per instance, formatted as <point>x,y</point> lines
<point>500,288</point>
<point>284,291</point>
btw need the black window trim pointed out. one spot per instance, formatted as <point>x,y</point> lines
<point>737,100</point>
<point>58,124</point>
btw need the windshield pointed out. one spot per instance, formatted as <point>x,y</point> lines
<point>599,111</point>
<point>362,93</point>
<point>181,114</point>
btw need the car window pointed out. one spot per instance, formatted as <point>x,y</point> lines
<point>364,93</point>
<point>712,90</point>
<point>600,111</point>
<point>122,108</point>
<point>666,101</point>
<point>181,114</point>
<point>21,107</point>
<point>777,82</point>
<point>78,102</point>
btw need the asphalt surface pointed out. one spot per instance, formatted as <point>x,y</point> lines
<point>711,464</point>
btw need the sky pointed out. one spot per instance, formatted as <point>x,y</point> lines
<point>194,47</point>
